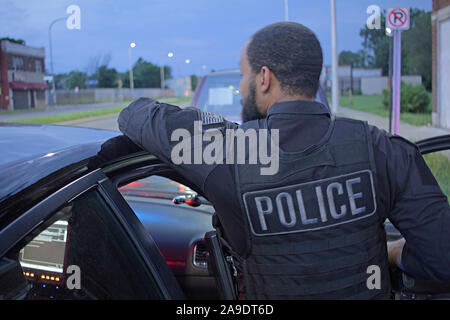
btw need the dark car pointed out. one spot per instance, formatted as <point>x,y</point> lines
<point>218,92</point>
<point>114,227</point>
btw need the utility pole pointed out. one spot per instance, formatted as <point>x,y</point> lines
<point>334,62</point>
<point>51,58</point>
<point>132,45</point>
<point>286,10</point>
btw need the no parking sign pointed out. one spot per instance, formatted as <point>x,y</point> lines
<point>398,18</point>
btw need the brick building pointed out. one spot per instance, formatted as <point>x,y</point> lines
<point>441,63</point>
<point>22,72</point>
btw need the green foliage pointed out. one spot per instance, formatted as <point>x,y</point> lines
<point>145,75</point>
<point>359,59</point>
<point>76,79</point>
<point>413,99</point>
<point>107,78</point>
<point>439,165</point>
<point>194,82</point>
<point>19,41</point>
<point>416,47</point>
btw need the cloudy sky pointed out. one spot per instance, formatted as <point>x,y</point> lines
<point>208,32</point>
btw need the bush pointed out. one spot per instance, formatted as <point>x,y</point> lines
<point>413,99</point>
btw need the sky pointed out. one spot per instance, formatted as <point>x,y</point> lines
<point>210,33</point>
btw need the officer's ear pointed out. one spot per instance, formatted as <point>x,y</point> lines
<point>265,76</point>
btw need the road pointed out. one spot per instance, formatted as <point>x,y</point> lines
<point>106,122</point>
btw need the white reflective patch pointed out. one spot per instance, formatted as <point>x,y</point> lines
<point>309,206</point>
<point>209,117</point>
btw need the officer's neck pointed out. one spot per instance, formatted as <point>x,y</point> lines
<point>283,97</point>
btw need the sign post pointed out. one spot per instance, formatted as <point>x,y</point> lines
<point>397,20</point>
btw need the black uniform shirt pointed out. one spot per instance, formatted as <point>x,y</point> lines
<point>408,192</point>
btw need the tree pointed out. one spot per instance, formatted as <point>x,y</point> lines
<point>145,75</point>
<point>19,41</point>
<point>416,46</point>
<point>77,79</point>
<point>359,59</point>
<point>194,82</point>
<point>107,78</point>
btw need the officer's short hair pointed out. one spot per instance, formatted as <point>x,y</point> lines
<point>292,52</point>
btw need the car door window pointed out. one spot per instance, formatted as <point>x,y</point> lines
<point>83,252</point>
<point>157,187</point>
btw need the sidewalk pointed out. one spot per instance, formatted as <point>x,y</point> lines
<point>408,131</point>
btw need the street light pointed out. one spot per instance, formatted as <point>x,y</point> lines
<point>132,45</point>
<point>51,55</point>
<point>286,10</point>
<point>334,60</point>
<point>187,61</point>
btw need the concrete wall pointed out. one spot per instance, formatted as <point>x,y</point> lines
<point>375,85</point>
<point>441,63</point>
<point>180,86</point>
<point>108,95</point>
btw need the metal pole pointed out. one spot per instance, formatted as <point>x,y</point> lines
<point>161,69</point>
<point>334,64</point>
<point>396,79</point>
<point>51,57</point>
<point>131,72</point>
<point>351,83</point>
<point>390,83</point>
<point>286,10</point>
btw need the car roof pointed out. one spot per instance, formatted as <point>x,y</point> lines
<point>24,142</point>
<point>32,152</point>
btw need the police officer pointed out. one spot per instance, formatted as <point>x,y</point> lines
<point>312,229</point>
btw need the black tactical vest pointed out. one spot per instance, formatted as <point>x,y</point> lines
<point>313,228</point>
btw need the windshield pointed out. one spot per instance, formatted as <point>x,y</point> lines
<point>220,94</point>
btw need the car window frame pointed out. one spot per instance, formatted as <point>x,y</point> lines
<point>28,224</point>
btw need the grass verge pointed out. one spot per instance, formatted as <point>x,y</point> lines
<point>90,113</point>
<point>374,104</point>
<point>440,166</point>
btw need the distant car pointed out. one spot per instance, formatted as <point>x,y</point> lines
<point>118,224</point>
<point>218,92</point>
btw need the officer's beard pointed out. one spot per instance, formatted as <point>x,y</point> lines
<point>249,108</point>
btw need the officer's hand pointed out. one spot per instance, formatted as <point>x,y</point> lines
<point>395,249</point>
<point>112,149</point>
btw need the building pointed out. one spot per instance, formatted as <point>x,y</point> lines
<point>22,72</point>
<point>441,63</point>
<point>181,86</point>
<point>366,81</point>
<point>346,74</point>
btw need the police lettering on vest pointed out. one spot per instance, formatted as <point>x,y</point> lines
<point>311,206</point>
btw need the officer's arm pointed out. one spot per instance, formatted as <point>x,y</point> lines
<point>419,209</point>
<point>155,126</point>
